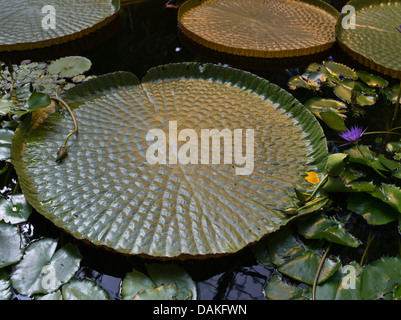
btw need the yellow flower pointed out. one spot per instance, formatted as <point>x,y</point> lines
<point>312,177</point>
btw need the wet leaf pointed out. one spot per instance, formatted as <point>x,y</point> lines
<point>162,292</point>
<point>390,194</point>
<point>172,273</point>
<point>356,157</point>
<point>297,261</point>
<point>336,163</point>
<point>372,80</point>
<point>300,82</point>
<point>5,286</point>
<point>134,282</point>
<point>6,106</point>
<point>36,101</point>
<point>380,277</point>
<point>6,137</point>
<point>15,210</point>
<point>333,120</point>
<point>57,295</point>
<point>374,211</point>
<point>347,88</point>
<point>339,70</point>
<point>83,290</point>
<point>43,269</point>
<point>11,244</point>
<point>277,289</point>
<point>319,226</point>
<point>69,67</point>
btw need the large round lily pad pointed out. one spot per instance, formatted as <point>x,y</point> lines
<point>110,192</point>
<point>30,24</point>
<point>260,28</point>
<point>375,40</point>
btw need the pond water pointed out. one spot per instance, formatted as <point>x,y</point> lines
<point>148,37</point>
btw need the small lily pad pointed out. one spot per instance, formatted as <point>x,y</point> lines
<point>5,286</point>
<point>373,210</point>
<point>372,80</point>
<point>15,210</point>
<point>83,290</point>
<point>162,292</point>
<point>277,289</point>
<point>69,67</point>
<point>43,269</point>
<point>11,244</point>
<point>319,226</point>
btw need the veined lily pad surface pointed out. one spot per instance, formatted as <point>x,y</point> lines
<point>30,24</point>
<point>374,41</point>
<point>109,192</point>
<point>260,28</point>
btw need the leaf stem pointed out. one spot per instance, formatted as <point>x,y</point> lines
<point>62,150</point>
<point>319,269</point>
<point>365,252</point>
<point>368,162</point>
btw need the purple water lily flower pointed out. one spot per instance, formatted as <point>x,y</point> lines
<point>352,135</point>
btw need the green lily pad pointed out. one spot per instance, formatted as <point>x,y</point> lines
<point>82,290</point>
<point>329,111</point>
<point>114,191</point>
<point>11,244</point>
<point>374,40</point>
<point>356,157</point>
<point>69,67</point>
<point>374,211</point>
<point>347,88</point>
<point>41,24</point>
<point>297,261</point>
<point>159,274</point>
<point>336,164</point>
<point>6,137</point>
<point>390,194</point>
<point>43,269</point>
<point>5,286</point>
<point>162,292</point>
<point>340,71</point>
<point>36,101</point>
<point>15,210</point>
<point>277,289</point>
<point>6,106</point>
<point>319,226</point>
<point>371,79</point>
<point>171,273</point>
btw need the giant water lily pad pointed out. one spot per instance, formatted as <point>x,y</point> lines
<point>375,40</point>
<point>115,190</point>
<point>260,28</point>
<point>34,24</point>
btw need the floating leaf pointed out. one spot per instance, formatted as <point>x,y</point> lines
<point>15,210</point>
<point>37,100</point>
<point>5,286</point>
<point>373,210</point>
<point>43,269</point>
<point>390,194</point>
<point>319,226</point>
<point>6,106</point>
<point>356,157</point>
<point>346,90</point>
<point>297,261</point>
<point>172,273</point>
<point>69,67</point>
<point>11,244</point>
<point>372,80</point>
<point>336,163</point>
<point>277,289</point>
<point>162,292</point>
<point>83,290</point>
<point>340,71</point>
<point>51,23</point>
<point>134,282</point>
<point>333,120</point>
<point>373,40</point>
<point>57,295</point>
<point>6,137</point>
<point>107,191</point>
<point>255,29</point>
